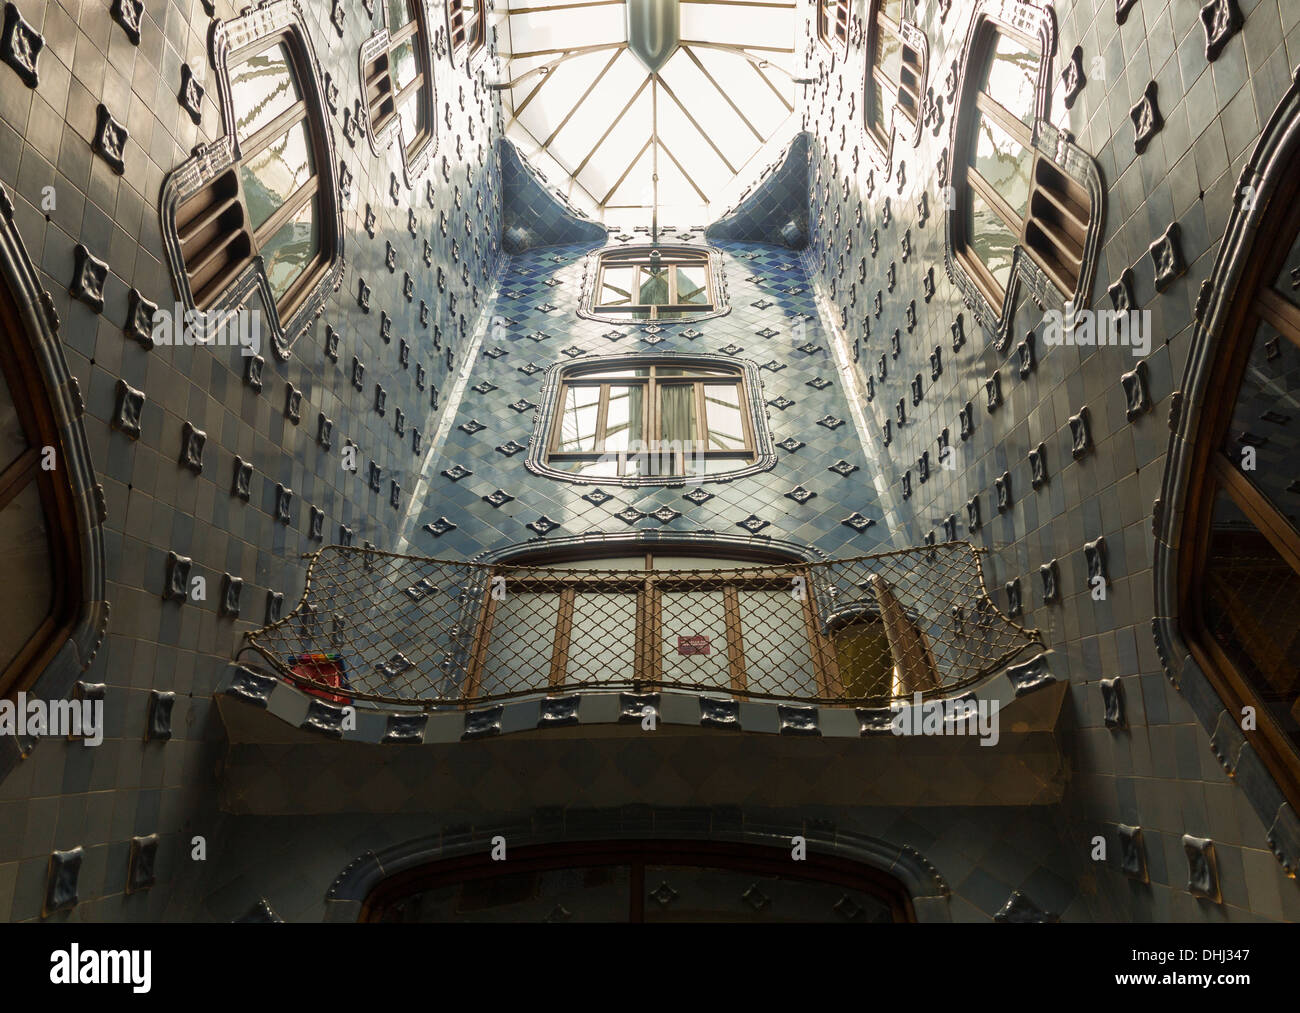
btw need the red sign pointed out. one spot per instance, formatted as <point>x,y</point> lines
<point>696,643</point>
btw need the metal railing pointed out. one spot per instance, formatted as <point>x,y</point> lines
<point>429,633</point>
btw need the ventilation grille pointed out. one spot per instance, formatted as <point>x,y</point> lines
<point>379,92</point>
<point>1057,226</point>
<point>215,243</point>
<point>910,77</point>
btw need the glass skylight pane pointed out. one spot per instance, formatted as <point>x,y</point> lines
<point>611,185</point>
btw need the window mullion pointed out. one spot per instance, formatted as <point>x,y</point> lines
<point>279,126</point>
<point>285,212</point>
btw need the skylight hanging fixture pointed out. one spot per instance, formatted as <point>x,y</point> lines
<point>654,30</point>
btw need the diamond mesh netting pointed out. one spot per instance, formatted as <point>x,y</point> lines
<point>409,630</point>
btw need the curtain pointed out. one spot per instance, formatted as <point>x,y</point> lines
<point>677,425</point>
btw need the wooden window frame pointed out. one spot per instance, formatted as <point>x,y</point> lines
<point>646,584</point>
<point>26,387</point>
<point>639,259</point>
<point>1058,211</point>
<point>651,423</point>
<point>375,76</point>
<point>834,36</point>
<point>301,111</point>
<point>1212,473</point>
<point>461,38</point>
<point>876,119</point>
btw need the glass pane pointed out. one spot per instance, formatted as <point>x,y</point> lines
<point>692,284</point>
<point>726,428</point>
<point>616,286</point>
<point>293,247</point>
<point>602,646</point>
<point>703,895</point>
<point>889,53</point>
<point>876,119</point>
<point>775,638</point>
<point>1012,77</point>
<point>623,423</point>
<point>715,464</point>
<point>609,373</point>
<point>676,422</point>
<point>604,563</point>
<point>653,287</point>
<point>578,419</point>
<point>693,638</point>
<point>412,116</point>
<point>1251,605</point>
<point>261,88</point>
<point>519,649</point>
<point>892,9</point>
<point>404,64</point>
<point>1003,162</point>
<point>1287,284</point>
<point>990,239</point>
<point>29,577</point>
<point>399,13</point>
<point>274,175</point>
<point>1260,441</point>
<point>13,441</point>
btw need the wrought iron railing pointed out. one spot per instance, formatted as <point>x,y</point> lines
<point>431,633</point>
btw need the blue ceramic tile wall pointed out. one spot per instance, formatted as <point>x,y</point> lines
<point>1158,773</point>
<point>65,794</point>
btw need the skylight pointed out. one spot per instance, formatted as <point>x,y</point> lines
<point>589,114</point>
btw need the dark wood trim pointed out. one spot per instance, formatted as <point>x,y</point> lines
<point>27,389</point>
<point>1210,472</point>
<point>637,855</point>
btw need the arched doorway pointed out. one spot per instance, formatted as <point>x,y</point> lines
<point>641,881</point>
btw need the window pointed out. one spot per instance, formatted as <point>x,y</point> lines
<point>271,202</point>
<point>398,80</point>
<point>38,520</point>
<point>468,27</point>
<point>1240,594</point>
<point>655,284</point>
<point>648,419</point>
<point>895,71</point>
<point>833,22</point>
<point>656,618</point>
<point>1008,192</point>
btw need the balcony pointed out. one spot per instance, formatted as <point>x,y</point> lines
<point>660,679</point>
<point>418,633</point>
